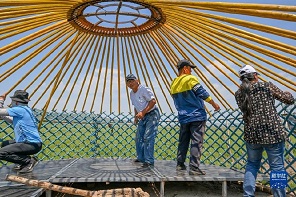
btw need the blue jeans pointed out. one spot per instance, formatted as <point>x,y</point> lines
<point>145,136</point>
<point>275,153</point>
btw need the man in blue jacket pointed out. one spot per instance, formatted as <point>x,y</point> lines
<point>189,96</point>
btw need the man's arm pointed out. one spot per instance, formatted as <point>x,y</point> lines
<point>3,112</point>
<point>136,118</point>
<point>282,96</point>
<point>215,105</point>
<point>202,93</point>
<point>150,105</point>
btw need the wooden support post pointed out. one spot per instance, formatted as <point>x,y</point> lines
<point>224,188</point>
<point>162,188</point>
<point>48,193</point>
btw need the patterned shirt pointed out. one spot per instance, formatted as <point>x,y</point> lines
<point>265,126</point>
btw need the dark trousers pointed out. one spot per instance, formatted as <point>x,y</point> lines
<point>193,131</point>
<point>18,153</point>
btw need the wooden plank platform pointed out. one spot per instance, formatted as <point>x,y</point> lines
<point>112,170</point>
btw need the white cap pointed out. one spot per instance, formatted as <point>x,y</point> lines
<point>246,69</point>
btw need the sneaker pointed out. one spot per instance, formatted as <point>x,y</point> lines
<point>147,165</point>
<point>17,167</point>
<point>29,167</point>
<point>34,158</point>
<point>196,171</point>
<point>136,161</point>
<point>181,167</point>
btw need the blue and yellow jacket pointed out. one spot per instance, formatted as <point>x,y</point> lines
<point>189,96</point>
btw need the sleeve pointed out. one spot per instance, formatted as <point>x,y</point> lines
<point>148,94</point>
<point>201,92</point>
<point>15,111</point>
<point>237,99</point>
<point>4,113</point>
<point>1,103</point>
<point>284,97</point>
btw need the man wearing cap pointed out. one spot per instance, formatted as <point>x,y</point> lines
<point>147,117</point>
<point>263,129</point>
<point>27,139</point>
<point>189,96</point>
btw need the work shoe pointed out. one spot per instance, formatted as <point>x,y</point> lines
<point>29,167</point>
<point>17,167</point>
<point>147,165</point>
<point>181,167</point>
<point>196,171</point>
<point>136,161</point>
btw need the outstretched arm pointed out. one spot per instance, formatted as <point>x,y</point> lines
<point>202,93</point>
<point>3,112</point>
<point>284,97</point>
<point>215,105</point>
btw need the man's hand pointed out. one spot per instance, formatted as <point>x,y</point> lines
<point>140,115</point>
<point>3,97</point>
<point>136,120</point>
<point>215,105</point>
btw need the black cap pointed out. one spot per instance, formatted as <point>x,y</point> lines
<point>20,96</point>
<point>183,63</point>
<point>130,77</point>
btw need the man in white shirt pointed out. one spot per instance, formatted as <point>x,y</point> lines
<point>147,117</point>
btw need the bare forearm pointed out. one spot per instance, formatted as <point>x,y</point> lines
<point>142,113</point>
<point>3,112</point>
<point>5,116</point>
<point>149,106</point>
<point>215,105</point>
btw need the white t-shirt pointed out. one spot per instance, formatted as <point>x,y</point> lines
<point>141,98</point>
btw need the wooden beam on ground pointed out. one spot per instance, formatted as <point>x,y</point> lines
<point>127,192</point>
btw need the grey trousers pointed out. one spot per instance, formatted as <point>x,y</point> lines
<point>193,131</point>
